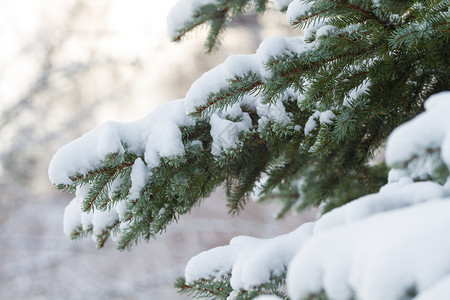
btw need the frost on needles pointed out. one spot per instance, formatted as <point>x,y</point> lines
<point>299,121</point>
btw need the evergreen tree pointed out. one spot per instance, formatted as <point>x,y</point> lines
<point>299,121</point>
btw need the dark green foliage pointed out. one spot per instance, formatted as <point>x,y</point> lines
<point>205,288</point>
<point>220,289</point>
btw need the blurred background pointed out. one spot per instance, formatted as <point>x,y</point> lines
<point>65,68</point>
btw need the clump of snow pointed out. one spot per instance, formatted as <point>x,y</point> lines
<point>98,220</point>
<point>182,13</point>
<point>392,196</point>
<point>103,219</point>
<point>251,260</point>
<point>327,117</point>
<point>298,8</point>
<point>139,177</point>
<point>272,112</point>
<point>225,133</point>
<point>233,295</point>
<point>311,29</point>
<point>396,175</point>
<point>311,124</point>
<point>72,216</point>
<point>86,219</point>
<point>428,131</point>
<point>155,136</point>
<point>324,117</point>
<point>324,30</point>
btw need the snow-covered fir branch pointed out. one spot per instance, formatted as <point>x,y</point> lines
<point>301,120</point>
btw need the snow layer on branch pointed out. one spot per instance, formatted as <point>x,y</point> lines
<point>298,8</point>
<point>97,220</point>
<point>379,247</point>
<point>225,132</point>
<point>251,260</point>
<point>273,112</point>
<point>182,13</point>
<point>427,132</point>
<point>392,196</point>
<point>155,136</point>
<point>240,66</point>
<point>139,176</point>
<point>103,219</point>
<point>383,257</point>
<point>72,216</point>
<point>324,117</point>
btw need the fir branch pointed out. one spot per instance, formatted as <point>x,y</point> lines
<point>365,12</point>
<point>229,95</point>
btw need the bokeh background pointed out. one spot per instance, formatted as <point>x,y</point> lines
<point>65,68</point>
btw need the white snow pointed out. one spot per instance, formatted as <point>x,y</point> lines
<point>324,117</point>
<point>139,177</point>
<point>271,112</point>
<point>324,30</point>
<point>103,219</point>
<point>378,258</point>
<point>239,66</point>
<point>311,29</point>
<point>378,247</point>
<point>155,136</point>
<point>121,208</point>
<point>182,13</point>
<point>327,117</point>
<point>251,261</point>
<point>225,133</point>
<point>86,219</point>
<point>72,216</point>
<point>391,196</point>
<point>98,220</point>
<point>311,124</point>
<point>298,8</point>
<point>428,131</point>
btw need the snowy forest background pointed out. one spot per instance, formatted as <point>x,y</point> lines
<point>68,66</point>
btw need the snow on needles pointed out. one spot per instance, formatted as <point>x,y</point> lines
<point>239,66</point>
<point>298,8</point>
<point>384,257</point>
<point>251,261</point>
<point>182,13</point>
<point>155,136</point>
<point>429,131</point>
<point>386,244</point>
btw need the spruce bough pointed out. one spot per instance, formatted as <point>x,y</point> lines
<point>300,119</point>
